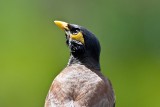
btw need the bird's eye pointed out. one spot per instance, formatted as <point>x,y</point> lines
<point>75,31</point>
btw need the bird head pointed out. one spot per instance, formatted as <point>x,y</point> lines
<point>82,43</point>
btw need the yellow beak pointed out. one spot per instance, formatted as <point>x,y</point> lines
<point>62,25</point>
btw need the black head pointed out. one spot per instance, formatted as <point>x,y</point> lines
<point>84,46</point>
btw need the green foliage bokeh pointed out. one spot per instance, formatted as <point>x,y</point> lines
<point>33,51</point>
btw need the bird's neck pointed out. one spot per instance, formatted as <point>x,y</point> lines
<point>87,61</point>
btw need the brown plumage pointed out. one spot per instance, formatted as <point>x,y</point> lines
<point>81,83</point>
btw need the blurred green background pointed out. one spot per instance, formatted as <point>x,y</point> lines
<point>33,50</point>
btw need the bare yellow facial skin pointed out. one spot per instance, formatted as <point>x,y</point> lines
<point>64,26</point>
<point>78,37</point>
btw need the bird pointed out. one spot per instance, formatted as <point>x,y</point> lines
<point>81,83</point>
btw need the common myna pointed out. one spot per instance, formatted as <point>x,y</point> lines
<point>81,83</point>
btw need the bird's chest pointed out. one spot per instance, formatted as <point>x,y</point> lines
<point>78,86</point>
<point>79,83</point>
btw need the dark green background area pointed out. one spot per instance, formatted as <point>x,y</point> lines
<point>33,50</point>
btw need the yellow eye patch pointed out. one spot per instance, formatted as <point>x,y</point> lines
<point>78,37</point>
